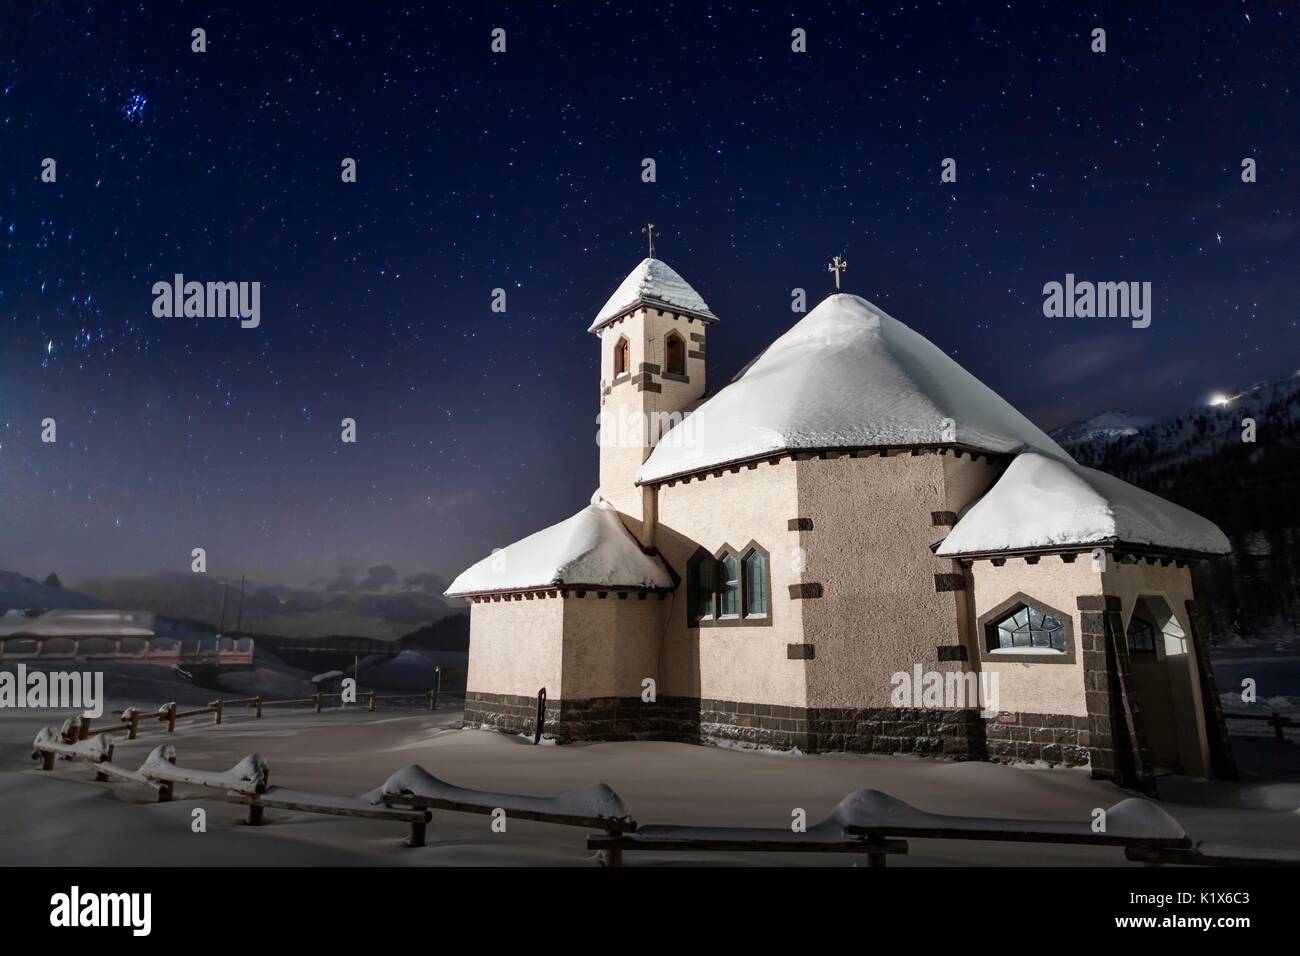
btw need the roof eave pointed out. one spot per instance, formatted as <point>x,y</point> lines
<point>1110,544</point>
<point>708,318</point>
<point>563,586</point>
<point>825,450</point>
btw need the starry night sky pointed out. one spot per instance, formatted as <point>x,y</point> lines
<point>522,171</point>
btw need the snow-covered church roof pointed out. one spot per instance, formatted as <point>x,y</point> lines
<point>656,284</point>
<point>1043,503</point>
<point>592,549</point>
<point>847,375</point>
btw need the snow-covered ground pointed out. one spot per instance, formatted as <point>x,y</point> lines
<point>63,817</point>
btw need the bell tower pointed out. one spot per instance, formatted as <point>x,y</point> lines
<point>652,337</point>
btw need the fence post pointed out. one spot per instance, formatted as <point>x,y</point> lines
<point>372,701</point>
<point>83,727</point>
<point>1276,721</point>
<point>437,687</point>
<point>541,715</point>
<point>134,729</point>
<point>216,706</point>
<point>316,700</point>
<point>431,699</point>
<point>257,702</point>
<point>171,718</point>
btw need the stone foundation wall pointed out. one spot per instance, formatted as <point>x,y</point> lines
<point>1053,738</point>
<point>958,734</point>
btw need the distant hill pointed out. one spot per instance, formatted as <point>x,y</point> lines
<point>272,609</point>
<point>1099,428</point>
<point>23,593</point>
<point>449,634</point>
<point>1250,489</point>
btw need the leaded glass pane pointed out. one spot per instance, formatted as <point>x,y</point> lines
<point>755,585</point>
<point>729,590</point>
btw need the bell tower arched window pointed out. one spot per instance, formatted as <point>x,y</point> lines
<point>622,356</point>
<point>675,354</point>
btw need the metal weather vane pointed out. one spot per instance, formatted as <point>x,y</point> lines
<point>648,230</point>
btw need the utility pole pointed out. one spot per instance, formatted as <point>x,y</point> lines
<point>224,590</point>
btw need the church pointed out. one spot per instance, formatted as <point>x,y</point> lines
<point>761,563</point>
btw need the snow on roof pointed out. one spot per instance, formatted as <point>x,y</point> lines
<point>655,283</point>
<point>847,375</point>
<point>592,548</point>
<point>1041,502</point>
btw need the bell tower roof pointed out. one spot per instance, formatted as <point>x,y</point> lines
<point>656,284</point>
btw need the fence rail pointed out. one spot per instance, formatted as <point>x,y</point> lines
<point>169,713</point>
<point>1279,722</point>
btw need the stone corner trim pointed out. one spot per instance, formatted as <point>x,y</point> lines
<point>800,652</point>
<point>949,582</point>
<point>943,519</point>
<point>801,592</point>
<point>799,524</point>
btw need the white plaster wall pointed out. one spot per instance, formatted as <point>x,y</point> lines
<point>870,550</point>
<point>1046,688</point>
<point>737,663</point>
<point>611,644</point>
<point>515,647</point>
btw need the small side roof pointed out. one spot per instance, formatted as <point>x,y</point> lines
<point>1042,502</point>
<point>657,284</point>
<point>592,549</point>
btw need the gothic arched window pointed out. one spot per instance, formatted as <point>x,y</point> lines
<point>702,592</point>
<point>622,357</point>
<point>675,354</point>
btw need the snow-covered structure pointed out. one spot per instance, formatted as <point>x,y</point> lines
<point>823,554</point>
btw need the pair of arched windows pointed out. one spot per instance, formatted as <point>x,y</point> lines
<point>730,586</point>
<point>674,355</point>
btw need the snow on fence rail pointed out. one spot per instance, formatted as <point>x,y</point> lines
<point>868,822</point>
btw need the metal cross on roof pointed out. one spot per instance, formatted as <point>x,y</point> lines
<point>648,230</point>
<point>837,266</point>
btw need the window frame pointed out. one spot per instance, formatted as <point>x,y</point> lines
<point>623,356</point>
<point>986,633</point>
<point>742,618</point>
<point>753,550</point>
<point>1151,627</point>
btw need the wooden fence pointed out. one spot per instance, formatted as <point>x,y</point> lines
<point>1279,723</point>
<point>169,713</point>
